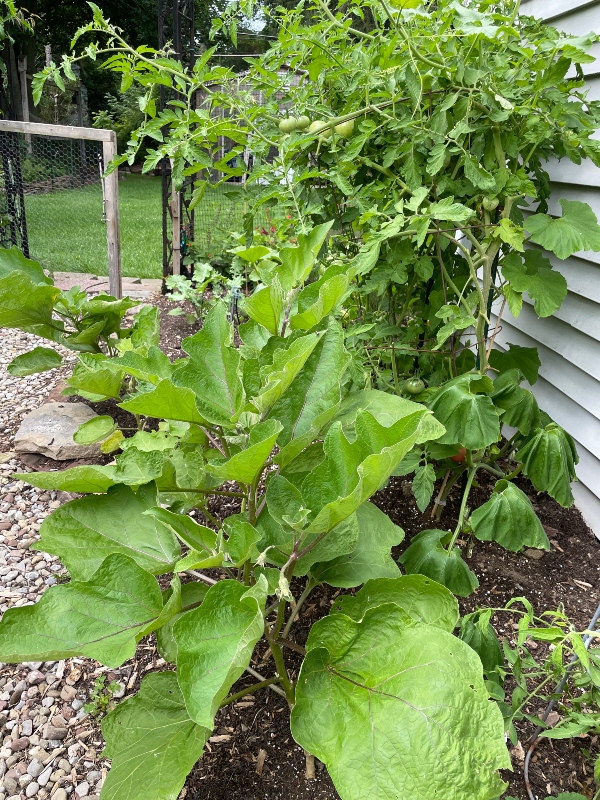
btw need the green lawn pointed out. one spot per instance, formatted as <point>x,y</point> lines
<point>66,232</point>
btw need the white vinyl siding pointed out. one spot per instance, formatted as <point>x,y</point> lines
<point>569,342</point>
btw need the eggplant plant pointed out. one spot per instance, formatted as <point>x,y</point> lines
<point>29,301</point>
<point>387,696</point>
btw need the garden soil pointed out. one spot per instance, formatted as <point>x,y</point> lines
<point>252,755</point>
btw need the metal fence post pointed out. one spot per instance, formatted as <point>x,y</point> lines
<point>113,229</point>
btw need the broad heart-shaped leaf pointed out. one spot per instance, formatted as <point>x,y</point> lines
<point>245,466</point>
<point>386,408</point>
<point>89,478</point>
<point>576,230</point>
<point>212,371</point>
<point>398,709</point>
<point>192,595</point>
<point>353,471</point>
<point>427,556</point>
<point>28,306</point>
<point>371,557</point>
<point>215,644</point>
<point>83,532</point>
<point>37,360</point>
<point>518,407</point>
<point>166,401</point>
<point>266,306</point>
<point>423,600</point>
<point>287,363</point>
<point>102,618</point>
<point>524,358</point>
<point>151,367</point>
<point>320,298</point>
<point>316,389</point>
<point>549,457</point>
<point>509,519</point>
<point>152,741</point>
<point>533,273</point>
<point>94,430</point>
<point>469,416</point>
<point>197,537</point>
<point>12,260</point>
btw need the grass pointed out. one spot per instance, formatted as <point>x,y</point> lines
<point>66,232</point>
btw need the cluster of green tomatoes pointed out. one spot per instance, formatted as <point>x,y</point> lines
<point>291,124</point>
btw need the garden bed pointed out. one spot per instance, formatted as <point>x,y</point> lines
<point>251,754</point>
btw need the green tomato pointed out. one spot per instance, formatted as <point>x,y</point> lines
<point>490,203</point>
<point>414,386</point>
<point>318,123</point>
<point>322,269</point>
<point>345,129</point>
<point>288,124</point>
<point>303,122</point>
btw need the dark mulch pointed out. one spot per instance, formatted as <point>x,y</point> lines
<point>257,727</point>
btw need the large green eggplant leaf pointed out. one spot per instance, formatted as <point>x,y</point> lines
<point>427,556</point>
<point>246,466</point>
<point>371,557</point>
<point>531,272</point>
<point>524,358</point>
<point>242,538</point>
<point>318,299</point>
<point>297,262</point>
<point>84,532</point>
<point>353,471</point>
<point>152,741</point>
<point>398,709</point>
<point>342,540</point>
<point>476,631</point>
<point>316,389</point>
<point>28,306</point>
<point>94,430</point>
<point>576,230</point>
<point>266,306</point>
<point>386,408</point>
<point>423,600</point>
<point>12,260</point>
<point>166,401</point>
<point>94,378</point>
<point>192,595</point>
<point>89,478</point>
<point>37,360</point>
<point>462,405</point>
<point>280,374</point>
<point>549,457</point>
<point>145,333</point>
<point>151,367</point>
<point>195,536</point>
<point>518,407</point>
<point>212,371</point>
<point>509,519</point>
<point>215,644</point>
<point>101,618</point>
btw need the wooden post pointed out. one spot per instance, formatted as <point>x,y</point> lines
<point>176,220</point>
<point>22,66</point>
<point>113,230</point>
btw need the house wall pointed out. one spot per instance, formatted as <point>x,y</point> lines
<point>569,342</point>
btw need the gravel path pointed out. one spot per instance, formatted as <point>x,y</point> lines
<point>50,746</point>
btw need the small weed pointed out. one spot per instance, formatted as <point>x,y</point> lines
<point>100,697</point>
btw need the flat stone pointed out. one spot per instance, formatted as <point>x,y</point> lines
<point>51,733</point>
<point>82,790</point>
<point>19,744</point>
<point>45,776</point>
<point>68,693</point>
<point>49,430</point>
<point>60,794</point>
<point>32,789</point>
<point>534,554</point>
<point>35,677</point>
<point>35,768</point>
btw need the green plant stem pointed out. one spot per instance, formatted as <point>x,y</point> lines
<point>247,572</point>
<point>256,687</point>
<point>307,590</point>
<point>515,472</point>
<point>463,508</point>
<point>440,502</point>
<point>488,468</point>
<point>221,492</point>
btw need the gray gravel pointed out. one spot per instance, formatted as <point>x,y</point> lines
<point>50,747</point>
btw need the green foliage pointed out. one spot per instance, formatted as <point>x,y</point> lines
<point>100,697</point>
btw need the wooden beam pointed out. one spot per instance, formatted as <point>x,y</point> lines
<point>176,221</point>
<point>113,229</point>
<point>63,131</point>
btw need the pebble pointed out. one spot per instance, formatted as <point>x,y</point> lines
<point>32,789</point>
<point>60,794</point>
<point>35,768</point>
<point>82,789</point>
<point>19,744</point>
